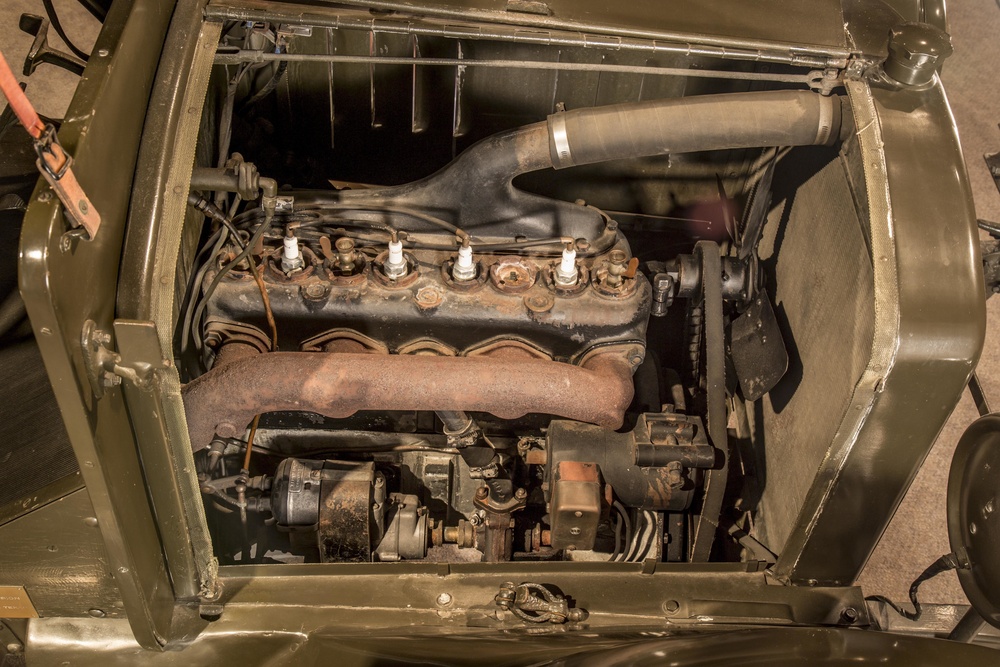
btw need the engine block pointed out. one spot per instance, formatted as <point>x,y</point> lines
<point>333,305</point>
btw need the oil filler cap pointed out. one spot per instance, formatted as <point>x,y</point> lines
<point>916,51</point>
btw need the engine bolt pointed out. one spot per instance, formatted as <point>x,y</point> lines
<point>482,492</point>
<point>428,297</point>
<point>539,303</point>
<point>520,494</point>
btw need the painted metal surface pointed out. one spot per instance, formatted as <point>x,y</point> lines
<point>810,25</point>
<point>936,336</point>
<point>65,282</point>
<point>57,554</point>
<point>929,330</point>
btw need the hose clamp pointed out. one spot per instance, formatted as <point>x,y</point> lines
<point>561,155</point>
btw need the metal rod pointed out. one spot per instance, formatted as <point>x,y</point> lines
<point>251,56</point>
<point>970,625</point>
<point>552,35</point>
<point>978,395</point>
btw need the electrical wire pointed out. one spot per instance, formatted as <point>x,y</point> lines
<point>215,242</point>
<point>200,310</point>
<point>942,564</point>
<point>628,527</point>
<point>54,20</point>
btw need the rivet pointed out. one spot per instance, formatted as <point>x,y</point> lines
<point>91,521</point>
<point>444,599</point>
<point>97,613</point>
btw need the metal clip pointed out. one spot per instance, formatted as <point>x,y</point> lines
<point>536,604</point>
<point>137,363</point>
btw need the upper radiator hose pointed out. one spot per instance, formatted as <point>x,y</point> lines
<point>686,124</point>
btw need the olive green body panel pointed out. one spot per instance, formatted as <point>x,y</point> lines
<point>57,553</point>
<point>123,128</point>
<point>66,283</point>
<point>930,323</point>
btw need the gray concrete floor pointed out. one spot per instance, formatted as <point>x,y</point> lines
<point>917,535</point>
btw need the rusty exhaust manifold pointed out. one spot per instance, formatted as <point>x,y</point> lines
<point>337,384</point>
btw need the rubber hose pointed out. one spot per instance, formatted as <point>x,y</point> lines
<point>686,124</point>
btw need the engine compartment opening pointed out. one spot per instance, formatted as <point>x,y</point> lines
<point>451,313</point>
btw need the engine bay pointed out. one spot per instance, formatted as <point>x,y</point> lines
<point>509,336</point>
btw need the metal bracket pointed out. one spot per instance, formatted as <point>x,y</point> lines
<point>137,361</point>
<point>41,52</point>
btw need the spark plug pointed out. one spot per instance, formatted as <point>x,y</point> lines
<point>395,264</point>
<point>566,274</point>
<point>464,267</point>
<point>291,258</point>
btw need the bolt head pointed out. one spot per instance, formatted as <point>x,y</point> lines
<point>444,599</point>
<point>520,494</point>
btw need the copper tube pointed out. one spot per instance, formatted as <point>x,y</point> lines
<point>225,399</point>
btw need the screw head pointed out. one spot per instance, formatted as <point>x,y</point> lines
<point>574,531</point>
<point>671,606</point>
<point>849,615</point>
<point>520,494</point>
<point>444,599</point>
<point>97,613</point>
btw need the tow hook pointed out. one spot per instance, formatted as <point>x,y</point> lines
<point>535,603</point>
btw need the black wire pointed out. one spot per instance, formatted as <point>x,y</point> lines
<point>628,522</point>
<point>942,564</point>
<point>54,20</point>
<point>618,535</point>
<point>269,86</point>
<point>221,274</point>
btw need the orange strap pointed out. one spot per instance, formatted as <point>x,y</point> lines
<point>19,101</point>
<point>53,161</point>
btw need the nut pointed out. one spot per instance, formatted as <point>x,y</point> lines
<point>428,297</point>
<point>539,303</point>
